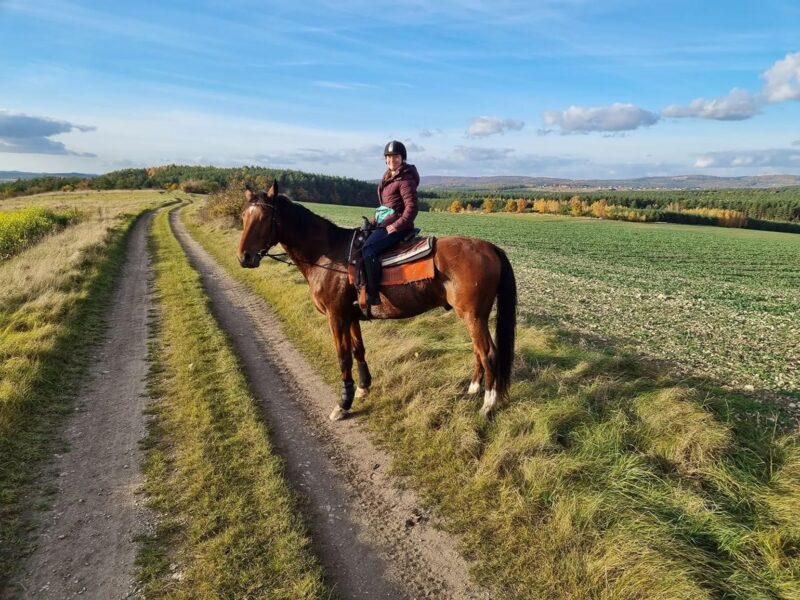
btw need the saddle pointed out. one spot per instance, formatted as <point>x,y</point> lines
<point>410,260</point>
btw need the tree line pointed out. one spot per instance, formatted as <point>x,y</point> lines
<point>308,187</point>
<point>579,206</point>
<point>774,204</point>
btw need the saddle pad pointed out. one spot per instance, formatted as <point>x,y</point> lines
<point>407,252</point>
<point>408,272</point>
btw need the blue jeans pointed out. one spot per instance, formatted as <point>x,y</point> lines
<point>380,241</point>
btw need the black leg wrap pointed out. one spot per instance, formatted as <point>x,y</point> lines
<point>348,393</point>
<point>364,376</point>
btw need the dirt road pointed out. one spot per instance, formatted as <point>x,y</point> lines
<point>372,536</point>
<point>86,543</point>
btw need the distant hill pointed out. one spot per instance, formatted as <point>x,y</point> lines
<point>681,182</point>
<point>14,175</point>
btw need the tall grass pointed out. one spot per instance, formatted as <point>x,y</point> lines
<point>228,526</point>
<point>601,478</point>
<point>53,298</point>
<point>22,228</point>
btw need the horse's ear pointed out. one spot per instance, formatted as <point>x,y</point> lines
<point>273,190</point>
<point>248,194</point>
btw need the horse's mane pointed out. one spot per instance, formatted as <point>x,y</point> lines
<point>305,219</point>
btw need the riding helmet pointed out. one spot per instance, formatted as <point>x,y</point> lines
<point>395,147</point>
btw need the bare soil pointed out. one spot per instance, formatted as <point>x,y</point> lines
<point>372,535</point>
<point>85,545</point>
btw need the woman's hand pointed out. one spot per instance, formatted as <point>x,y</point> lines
<point>390,229</point>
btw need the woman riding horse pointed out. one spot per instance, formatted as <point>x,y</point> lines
<point>469,276</point>
<point>397,195</point>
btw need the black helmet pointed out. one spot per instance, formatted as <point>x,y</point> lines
<point>395,147</point>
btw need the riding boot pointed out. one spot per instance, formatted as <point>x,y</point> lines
<point>372,269</point>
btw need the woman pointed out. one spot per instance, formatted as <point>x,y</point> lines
<point>397,194</point>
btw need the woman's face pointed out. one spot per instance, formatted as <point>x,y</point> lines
<point>393,161</point>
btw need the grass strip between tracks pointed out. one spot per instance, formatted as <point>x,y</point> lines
<point>600,479</point>
<point>53,301</point>
<point>229,525</point>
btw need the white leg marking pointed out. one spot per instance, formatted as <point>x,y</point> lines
<point>338,414</point>
<point>474,387</point>
<point>489,399</point>
<point>361,392</point>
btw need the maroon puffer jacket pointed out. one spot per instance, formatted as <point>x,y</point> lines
<point>400,193</point>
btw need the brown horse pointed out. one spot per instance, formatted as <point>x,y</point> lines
<point>469,275</point>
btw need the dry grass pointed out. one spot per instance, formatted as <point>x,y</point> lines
<point>52,303</point>
<point>229,526</point>
<point>600,479</point>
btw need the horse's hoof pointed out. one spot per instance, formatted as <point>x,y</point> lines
<point>487,413</point>
<point>361,392</point>
<point>338,414</point>
<point>474,387</point>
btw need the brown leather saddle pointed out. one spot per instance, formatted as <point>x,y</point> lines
<point>410,260</point>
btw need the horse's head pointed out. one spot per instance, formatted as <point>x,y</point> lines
<point>259,231</point>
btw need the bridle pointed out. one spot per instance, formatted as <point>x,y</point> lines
<point>272,239</point>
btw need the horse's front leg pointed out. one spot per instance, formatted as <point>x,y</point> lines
<point>340,328</point>
<point>364,376</point>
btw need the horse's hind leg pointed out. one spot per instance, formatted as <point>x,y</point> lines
<point>359,353</point>
<point>485,351</point>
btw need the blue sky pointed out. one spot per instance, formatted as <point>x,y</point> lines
<point>565,89</point>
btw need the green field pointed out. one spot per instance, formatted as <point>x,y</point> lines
<point>721,303</point>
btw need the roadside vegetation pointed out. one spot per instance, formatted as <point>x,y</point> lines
<point>228,522</point>
<point>53,298</point>
<point>22,228</point>
<point>603,477</point>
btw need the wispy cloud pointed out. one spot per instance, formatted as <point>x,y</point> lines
<point>782,80</point>
<point>485,126</point>
<point>428,133</point>
<point>24,134</point>
<point>777,157</point>
<point>476,153</point>
<point>617,117</point>
<point>321,156</point>
<point>736,106</point>
<point>341,85</point>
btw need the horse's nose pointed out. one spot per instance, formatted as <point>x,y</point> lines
<point>245,259</point>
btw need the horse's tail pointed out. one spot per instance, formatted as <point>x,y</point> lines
<point>505,328</point>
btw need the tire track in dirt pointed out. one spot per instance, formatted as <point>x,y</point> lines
<point>372,536</point>
<point>86,542</point>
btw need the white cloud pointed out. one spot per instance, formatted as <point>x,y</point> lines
<point>23,134</point>
<point>782,80</point>
<point>778,157</point>
<point>796,143</point>
<point>486,126</point>
<point>617,117</point>
<point>736,106</point>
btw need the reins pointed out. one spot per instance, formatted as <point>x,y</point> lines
<point>277,258</point>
